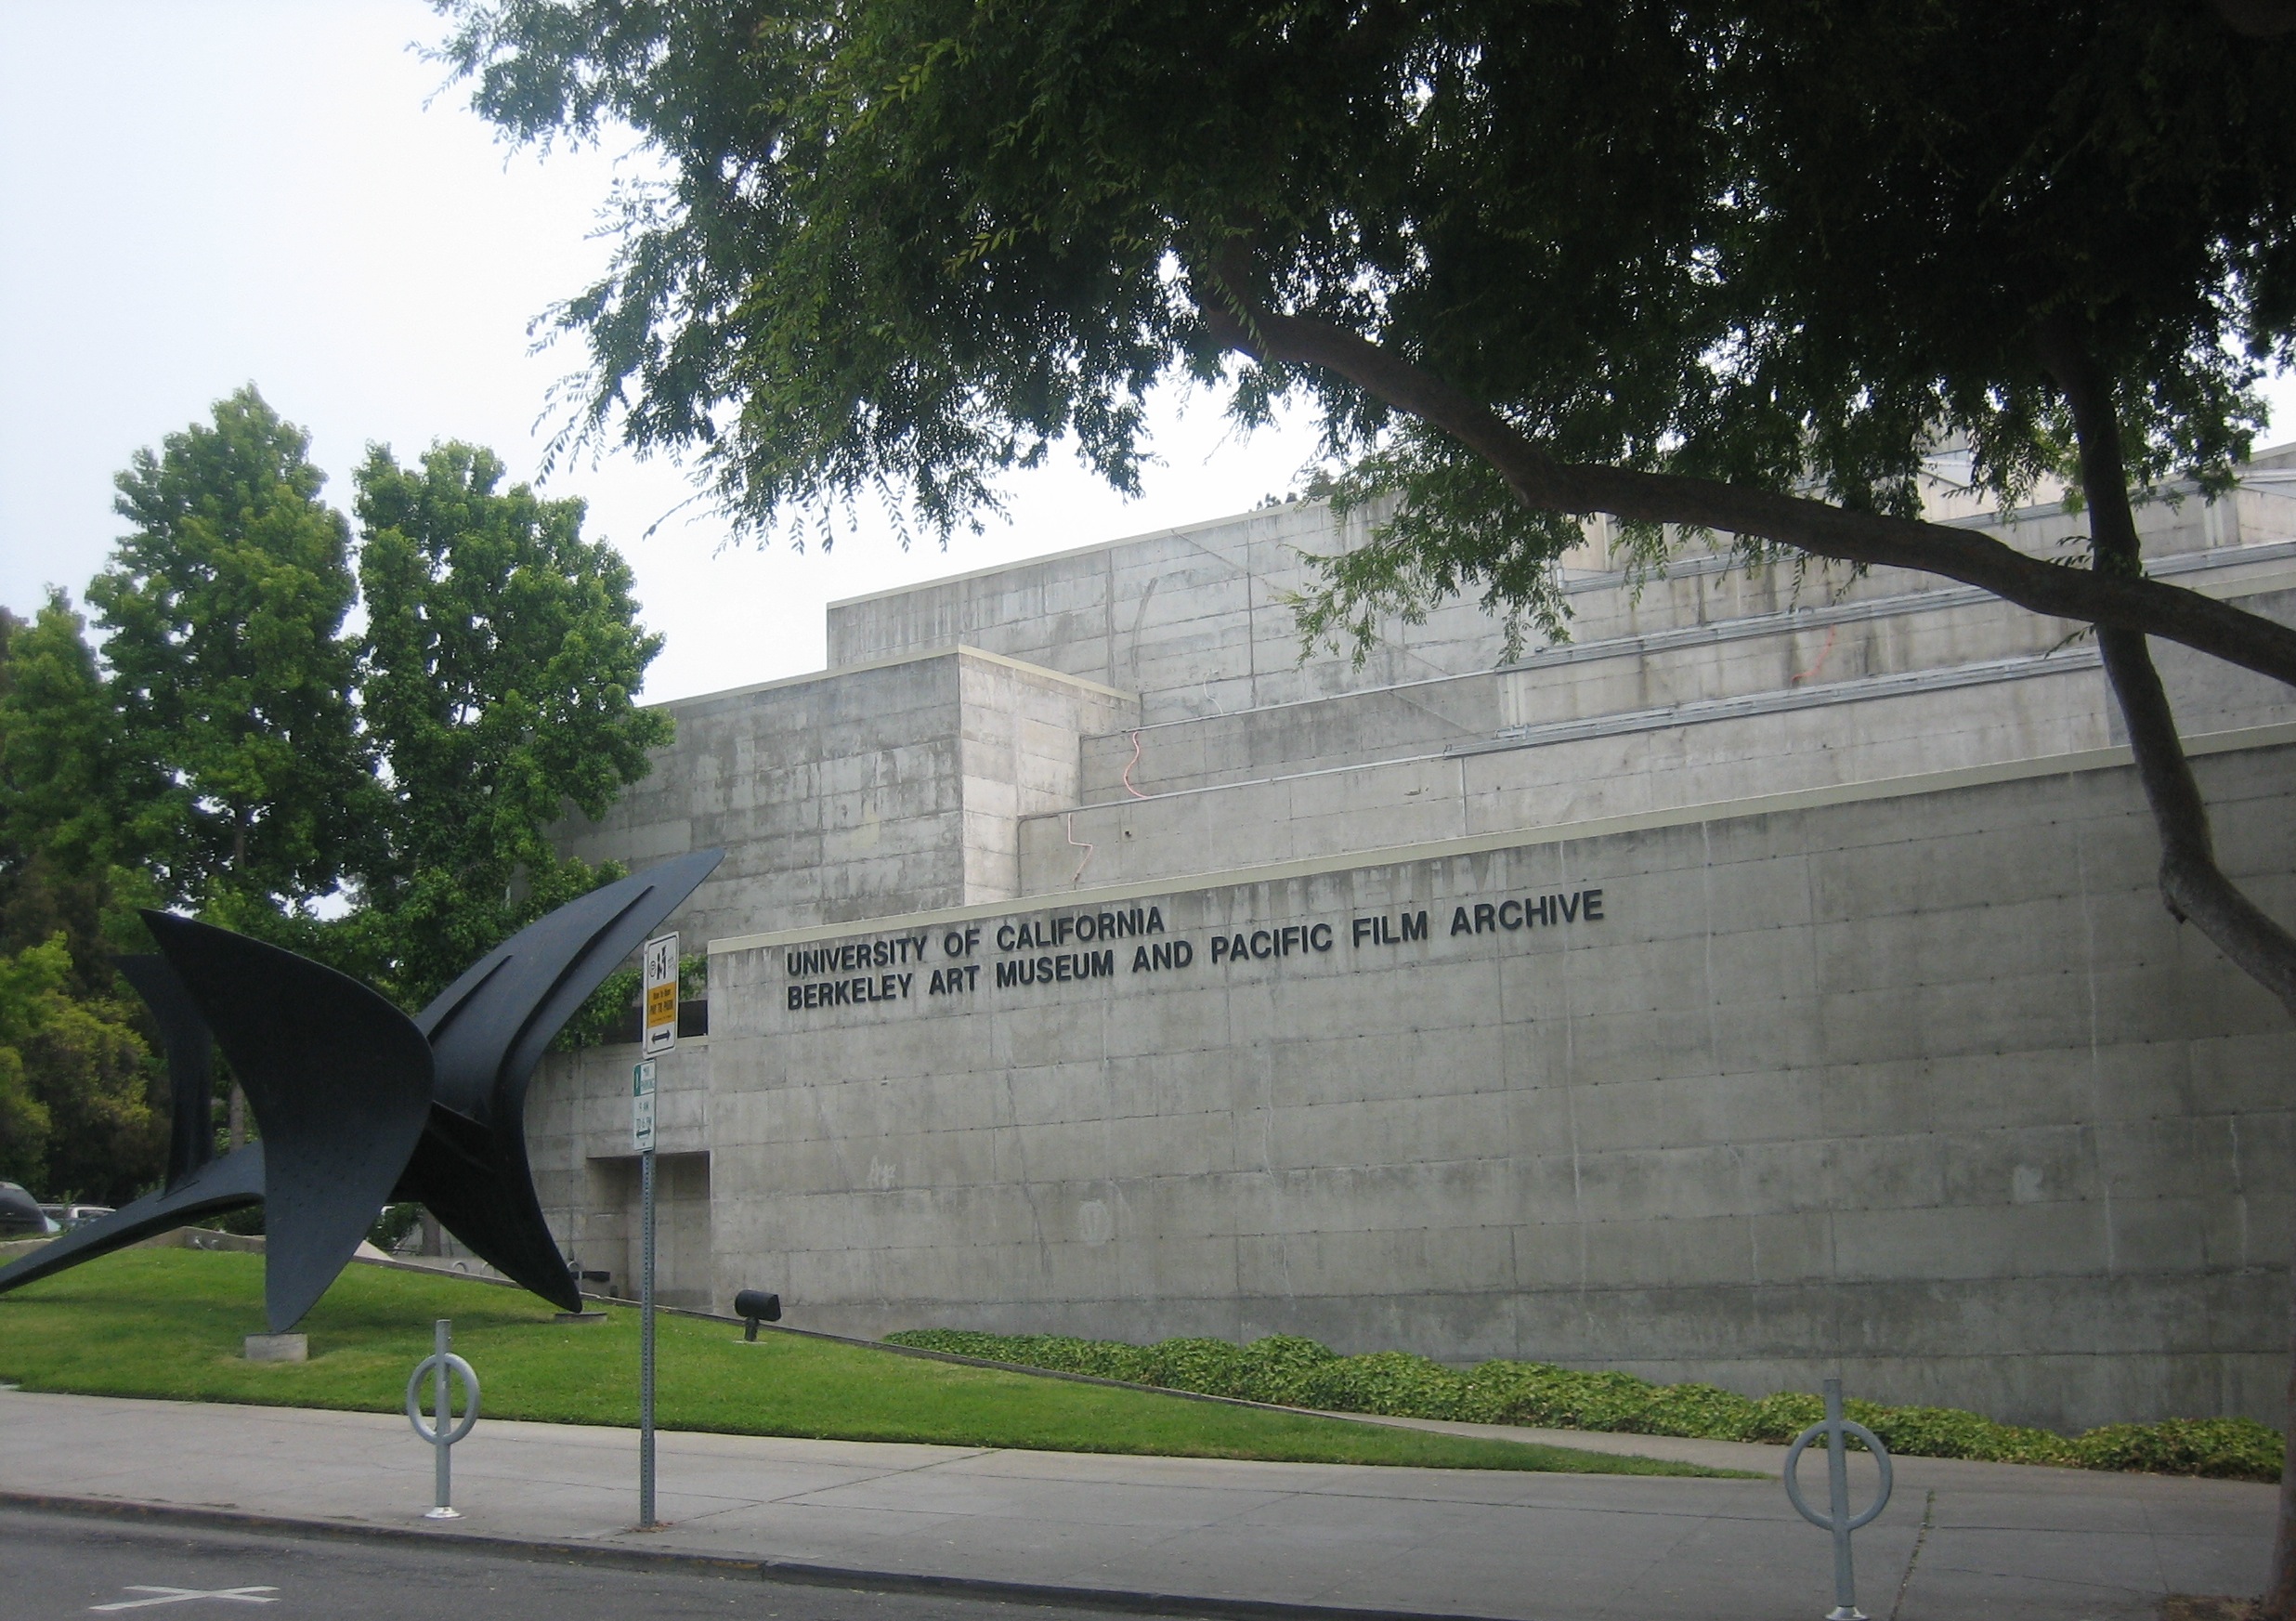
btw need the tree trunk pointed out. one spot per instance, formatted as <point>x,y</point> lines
<point>2194,887</point>
<point>2114,595</point>
<point>238,1116</point>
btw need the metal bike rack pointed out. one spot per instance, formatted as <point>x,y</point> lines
<point>1838,1519</point>
<point>443,1430</point>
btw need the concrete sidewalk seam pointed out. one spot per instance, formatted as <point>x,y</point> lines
<point>791,1572</point>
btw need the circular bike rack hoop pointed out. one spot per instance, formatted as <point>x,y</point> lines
<point>1874,1445</point>
<point>455,1367</point>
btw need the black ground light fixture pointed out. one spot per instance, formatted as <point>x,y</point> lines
<point>359,1106</point>
<point>755,1306</point>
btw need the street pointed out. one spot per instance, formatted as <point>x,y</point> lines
<point>61,1567</point>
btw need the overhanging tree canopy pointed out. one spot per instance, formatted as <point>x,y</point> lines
<point>1734,267</point>
<point>1780,248</point>
<point>1725,266</point>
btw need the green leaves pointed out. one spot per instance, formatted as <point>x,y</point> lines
<point>223,611</point>
<point>501,656</point>
<point>243,757</point>
<point>75,1082</point>
<point>69,790</point>
<point>910,244</point>
<point>77,1079</point>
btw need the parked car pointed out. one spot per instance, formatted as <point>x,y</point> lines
<point>67,1217</point>
<point>20,1215</point>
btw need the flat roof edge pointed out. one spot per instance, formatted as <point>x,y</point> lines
<point>954,650</point>
<point>1182,529</point>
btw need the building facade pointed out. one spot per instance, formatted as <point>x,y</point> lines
<point>1767,983</point>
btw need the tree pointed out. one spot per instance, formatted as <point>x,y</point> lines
<point>1729,268</point>
<point>66,785</point>
<point>501,656</point>
<point>78,1087</point>
<point>77,1084</point>
<point>223,611</point>
<point>230,675</point>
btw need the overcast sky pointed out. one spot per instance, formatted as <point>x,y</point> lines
<point>196,194</point>
<point>199,193</point>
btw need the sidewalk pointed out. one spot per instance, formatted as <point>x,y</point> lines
<point>1994,1540</point>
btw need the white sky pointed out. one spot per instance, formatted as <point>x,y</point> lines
<point>199,193</point>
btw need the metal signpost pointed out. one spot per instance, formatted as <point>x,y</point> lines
<point>641,1139</point>
<point>660,1035</point>
<point>443,1432</point>
<point>1838,1519</point>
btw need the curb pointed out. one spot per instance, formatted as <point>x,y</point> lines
<point>787,1572</point>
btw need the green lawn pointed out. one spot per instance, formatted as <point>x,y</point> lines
<point>168,1323</point>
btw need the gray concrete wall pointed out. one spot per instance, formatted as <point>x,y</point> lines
<point>856,793</point>
<point>1021,735</point>
<point>586,1171</point>
<point>945,775</point>
<point>1883,1055</point>
<point>1199,622</point>
<point>1822,644</point>
<point>1729,658</point>
<point>1667,761</point>
<point>1921,1085</point>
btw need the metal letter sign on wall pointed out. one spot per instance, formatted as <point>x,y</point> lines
<point>357,1105</point>
<point>662,995</point>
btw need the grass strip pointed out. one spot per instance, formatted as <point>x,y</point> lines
<point>1298,1372</point>
<point>168,1324</point>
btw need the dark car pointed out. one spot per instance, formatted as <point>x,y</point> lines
<point>20,1216</point>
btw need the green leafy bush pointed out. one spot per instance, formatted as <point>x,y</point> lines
<point>1213,1366</point>
<point>1281,1368</point>
<point>1294,1372</point>
<point>2228,1448</point>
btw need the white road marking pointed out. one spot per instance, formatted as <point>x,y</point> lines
<point>184,1595</point>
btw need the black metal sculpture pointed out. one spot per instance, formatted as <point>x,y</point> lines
<point>359,1104</point>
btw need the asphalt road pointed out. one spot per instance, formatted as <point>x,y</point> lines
<point>70,1567</point>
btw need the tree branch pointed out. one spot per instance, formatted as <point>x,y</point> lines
<point>2125,602</point>
<point>2194,886</point>
<point>2191,882</point>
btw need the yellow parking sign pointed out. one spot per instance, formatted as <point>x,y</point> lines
<point>661,994</point>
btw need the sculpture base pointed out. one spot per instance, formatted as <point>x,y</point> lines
<point>277,1348</point>
<point>579,1317</point>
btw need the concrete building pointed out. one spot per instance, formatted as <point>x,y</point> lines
<point>1768,982</point>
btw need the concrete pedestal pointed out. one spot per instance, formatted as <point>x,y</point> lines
<point>277,1348</point>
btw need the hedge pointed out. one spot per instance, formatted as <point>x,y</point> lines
<point>1295,1372</point>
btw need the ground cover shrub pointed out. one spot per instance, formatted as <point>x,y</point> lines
<point>1290,1371</point>
<point>2186,1446</point>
